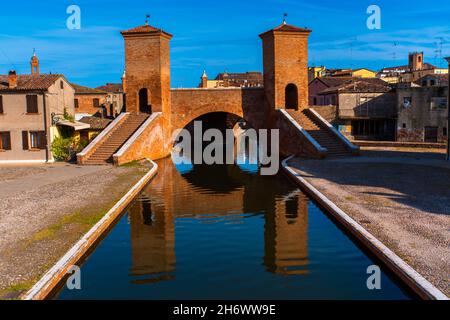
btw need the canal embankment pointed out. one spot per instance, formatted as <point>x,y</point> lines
<point>401,198</point>
<point>46,209</point>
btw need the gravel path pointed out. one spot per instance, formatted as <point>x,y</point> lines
<point>401,199</point>
<point>45,210</point>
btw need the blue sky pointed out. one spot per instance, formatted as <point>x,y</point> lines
<point>215,35</point>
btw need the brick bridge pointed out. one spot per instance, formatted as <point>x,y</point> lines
<point>155,111</point>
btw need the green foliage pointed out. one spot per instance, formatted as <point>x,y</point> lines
<point>62,148</point>
<point>65,149</point>
<point>68,116</point>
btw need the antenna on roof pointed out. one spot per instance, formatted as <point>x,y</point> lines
<point>147,17</point>
<point>438,51</point>
<point>394,54</point>
<point>285,15</point>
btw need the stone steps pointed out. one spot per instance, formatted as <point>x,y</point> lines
<point>117,138</point>
<point>320,133</point>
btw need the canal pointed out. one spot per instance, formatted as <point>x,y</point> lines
<point>226,232</point>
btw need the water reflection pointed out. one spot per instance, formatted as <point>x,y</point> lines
<point>226,233</point>
<point>208,193</point>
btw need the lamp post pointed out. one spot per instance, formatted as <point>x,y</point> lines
<point>448,112</point>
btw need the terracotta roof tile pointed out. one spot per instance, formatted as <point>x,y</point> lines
<point>96,122</point>
<point>359,85</point>
<point>290,28</point>
<point>86,90</point>
<point>111,88</point>
<point>28,82</point>
<point>144,29</point>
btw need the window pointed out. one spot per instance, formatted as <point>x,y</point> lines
<point>438,103</point>
<point>34,140</point>
<point>76,104</point>
<point>61,84</point>
<point>5,141</point>
<point>315,101</point>
<point>1,104</point>
<point>96,103</point>
<point>444,131</point>
<point>432,83</point>
<point>404,126</point>
<point>32,104</point>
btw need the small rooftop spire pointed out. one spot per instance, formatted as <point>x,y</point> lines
<point>284,18</point>
<point>147,17</point>
<point>34,52</point>
<point>204,75</point>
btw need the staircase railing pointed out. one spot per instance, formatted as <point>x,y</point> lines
<point>93,146</point>
<point>353,148</point>
<point>321,150</point>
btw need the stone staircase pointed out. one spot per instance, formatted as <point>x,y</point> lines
<point>116,139</point>
<point>320,133</point>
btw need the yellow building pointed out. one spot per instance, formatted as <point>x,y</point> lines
<point>364,73</point>
<point>316,72</point>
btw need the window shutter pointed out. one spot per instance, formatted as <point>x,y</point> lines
<point>32,104</point>
<point>42,140</point>
<point>6,140</point>
<point>1,104</point>
<point>25,140</point>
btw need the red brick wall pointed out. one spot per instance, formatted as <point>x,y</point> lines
<point>189,104</point>
<point>285,58</point>
<point>86,103</point>
<point>147,63</point>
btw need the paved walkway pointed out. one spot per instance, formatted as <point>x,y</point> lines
<point>45,209</point>
<point>402,198</point>
<point>23,178</point>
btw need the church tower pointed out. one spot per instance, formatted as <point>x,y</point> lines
<point>285,59</point>
<point>147,66</point>
<point>34,64</point>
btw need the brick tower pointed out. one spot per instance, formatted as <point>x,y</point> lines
<point>34,64</point>
<point>285,59</point>
<point>147,65</point>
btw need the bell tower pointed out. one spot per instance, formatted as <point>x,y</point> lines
<point>34,63</point>
<point>285,59</point>
<point>147,66</point>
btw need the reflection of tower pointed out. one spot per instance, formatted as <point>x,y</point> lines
<point>286,237</point>
<point>152,241</point>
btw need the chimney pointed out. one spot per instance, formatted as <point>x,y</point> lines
<point>12,79</point>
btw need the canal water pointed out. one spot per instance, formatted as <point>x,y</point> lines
<point>225,232</point>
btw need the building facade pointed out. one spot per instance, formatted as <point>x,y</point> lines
<point>416,69</point>
<point>422,114</point>
<point>115,102</point>
<point>32,108</point>
<point>239,80</point>
<point>364,108</point>
<point>90,102</point>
